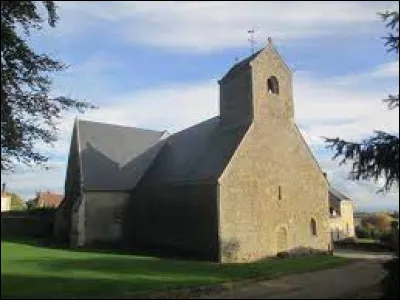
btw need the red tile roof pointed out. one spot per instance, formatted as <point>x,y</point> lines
<point>48,199</point>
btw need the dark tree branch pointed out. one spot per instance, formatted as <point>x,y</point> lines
<point>374,158</point>
<point>28,114</point>
<point>377,156</point>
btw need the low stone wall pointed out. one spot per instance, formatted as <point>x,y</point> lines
<point>353,244</point>
<point>36,223</point>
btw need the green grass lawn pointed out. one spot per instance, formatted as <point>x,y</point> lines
<point>32,271</point>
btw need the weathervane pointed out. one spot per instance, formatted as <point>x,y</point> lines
<point>251,40</point>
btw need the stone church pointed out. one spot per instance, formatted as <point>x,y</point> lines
<point>238,187</point>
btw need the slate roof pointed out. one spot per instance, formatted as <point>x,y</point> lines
<point>115,157</point>
<point>238,67</point>
<point>198,153</point>
<point>48,199</point>
<point>336,194</point>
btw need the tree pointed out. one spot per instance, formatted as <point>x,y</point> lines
<point>377,156</point>
<point>28,113</point>
<point>30,204</point>
<point>379,221</point>
<point>17,203</point>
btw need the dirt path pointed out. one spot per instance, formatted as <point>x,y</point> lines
<point>347,253</point>
<point>325,284</point>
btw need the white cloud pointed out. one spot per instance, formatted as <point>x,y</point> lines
<point>208,26</point>
<point>381,73</point>
<point>348,106</point>
<point>169,108</point>
<point>387,70</point>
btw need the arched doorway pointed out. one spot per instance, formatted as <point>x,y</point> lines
<point>281,239</point>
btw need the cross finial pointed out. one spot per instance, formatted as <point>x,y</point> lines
<point>251,40</point>
<point>269,41</point>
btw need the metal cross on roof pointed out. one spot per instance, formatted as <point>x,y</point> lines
<point>251,40</point>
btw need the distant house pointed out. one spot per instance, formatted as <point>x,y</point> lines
<point>5,199</point>
<point>341,221</point>
<point>5,202</point>
<point>46,199</point>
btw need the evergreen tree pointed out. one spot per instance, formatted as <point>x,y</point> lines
<point>377,156</point>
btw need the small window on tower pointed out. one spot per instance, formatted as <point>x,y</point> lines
<point>313,226</point>
<point>273,85</point>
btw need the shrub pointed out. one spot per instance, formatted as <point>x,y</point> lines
<point>300,251</point>
<point>362,233</point>
<point>395,240</point>
<point>394,224</point>
<point>349,240</point>
<point>283,254</point>
<point>386,238</point>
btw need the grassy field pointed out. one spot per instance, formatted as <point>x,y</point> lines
<point>31,271</point>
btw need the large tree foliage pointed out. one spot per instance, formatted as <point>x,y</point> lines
<point>380,221</point>
<point>377,156</point>
<point>29,114</point>
<point>17,203</point>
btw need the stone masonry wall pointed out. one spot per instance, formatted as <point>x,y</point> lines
<point>180,219</point>
<point>342,227</point>
<point>104,216</point>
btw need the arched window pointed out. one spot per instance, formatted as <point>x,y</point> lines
<point>313,227</point>
<point>273,85</point>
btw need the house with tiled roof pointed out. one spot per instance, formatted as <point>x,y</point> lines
<point>46,199</point>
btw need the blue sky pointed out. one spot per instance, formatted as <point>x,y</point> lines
<point>156,65</point>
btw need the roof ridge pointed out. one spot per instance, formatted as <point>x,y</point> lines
<point>337,193</point>
<point>244,62</point>
<point>121,126</point>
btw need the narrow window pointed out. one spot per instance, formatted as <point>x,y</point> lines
<point>273,85</point>
<point>280,193</point>
<point>313,226</point>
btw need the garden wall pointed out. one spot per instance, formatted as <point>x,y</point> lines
<point>35,223</point>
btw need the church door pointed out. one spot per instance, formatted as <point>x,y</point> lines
<point>281,240</point>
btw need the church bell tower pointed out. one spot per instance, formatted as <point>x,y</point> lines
<point>256,89</point>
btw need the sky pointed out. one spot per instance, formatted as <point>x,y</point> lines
<point>156,65</point>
